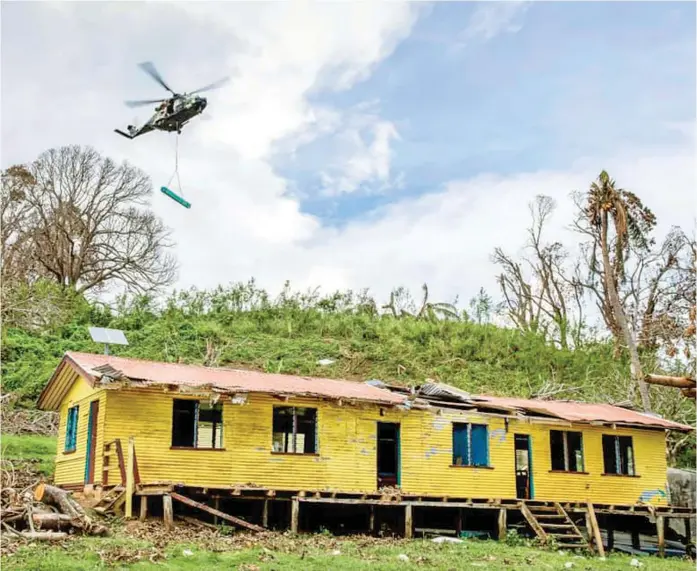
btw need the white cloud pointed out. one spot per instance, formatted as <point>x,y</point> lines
<point>364,156</point>
<point>493,18</point>
<point>246,220</point>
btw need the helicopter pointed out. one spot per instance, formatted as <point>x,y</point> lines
<point>173,112</point>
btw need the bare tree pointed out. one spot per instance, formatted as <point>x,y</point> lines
<point>617,222</point>
<point>89,223</point>
<point>539,293</point>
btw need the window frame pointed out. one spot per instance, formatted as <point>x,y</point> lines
<point>295,424</point>
<point>71,422</point>
<point>468,441</point>
<point>566,452</point>
<point>622,471</point>
<point>197,406</point>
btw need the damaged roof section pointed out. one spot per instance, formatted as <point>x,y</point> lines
<point>438,394</point>
<point>108,369</point>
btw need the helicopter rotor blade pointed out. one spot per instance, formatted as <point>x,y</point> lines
<point>214,85</point>
<point>149,68</point>
<point>142,102</point>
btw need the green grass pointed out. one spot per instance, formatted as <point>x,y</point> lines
<point>39,451</point>
<point>302,554</point>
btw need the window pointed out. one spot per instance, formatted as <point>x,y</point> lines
<point>294,430</point>
<point>618,455</point>
<point>470,444</point>
<point>197,424</point>
<point>567,450</point>
<point>71,429</point>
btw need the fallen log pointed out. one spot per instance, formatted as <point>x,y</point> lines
<point>44,535</point>
<point>52,520</point>
<point>53,496</point>
<point>689,393</point>
<point>213,511</point>
<point>670,381</point>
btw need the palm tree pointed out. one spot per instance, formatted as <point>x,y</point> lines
<point>610,208</point>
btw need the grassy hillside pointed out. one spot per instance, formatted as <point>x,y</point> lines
<point>240,326</point>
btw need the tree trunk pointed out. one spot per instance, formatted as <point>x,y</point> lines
<point>618,310</point>
<point>53,496</point>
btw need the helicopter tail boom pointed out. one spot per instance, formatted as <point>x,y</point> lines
<point>120,132</point>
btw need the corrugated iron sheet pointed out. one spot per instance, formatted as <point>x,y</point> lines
<point>583,412</point>
<point>151,372</point>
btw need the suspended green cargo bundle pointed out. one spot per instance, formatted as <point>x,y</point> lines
<point>175,197</point>
<point>165,189</point>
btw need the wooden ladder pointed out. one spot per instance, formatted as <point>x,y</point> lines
<point>113,449</point>
<point>554,523</point>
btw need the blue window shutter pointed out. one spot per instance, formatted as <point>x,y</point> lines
<point>460,448</point>
<point>480,445</point>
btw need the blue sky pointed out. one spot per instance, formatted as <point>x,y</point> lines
<point>575,80</point>
<point>366,145</point>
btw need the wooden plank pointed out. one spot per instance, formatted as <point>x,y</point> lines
<point>408,522</point>
<point>661,531</point>
<point>265,514</point>
<point>130,484</point>
<point>143,508</point>
<point>532,520</point>
<point>213,511</point>
<point>294,515</point>
<point>167,512</point>
<point>502,523</point>
<point>595,530</point>
<point>122,463</point>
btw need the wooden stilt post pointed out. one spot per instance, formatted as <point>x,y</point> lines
<point>130,478</point>
<point>265,514</point>
<point>408,522</point>
<point>458,523</point>
<point>371,521</point>
<point>502,523</point>
<point>596,530</point>
<point>688,530</point>
<point>216,505</point>
<point>167,512</point>
<point>610,537</point>
<point>636,540</point>
<point>661,532</point>
<point>143,508</point>
<point>294,515</point>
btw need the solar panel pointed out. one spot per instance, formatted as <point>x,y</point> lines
<point>108,336</point>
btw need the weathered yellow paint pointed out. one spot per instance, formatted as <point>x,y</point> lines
<point>70,466</point>
<point>347,460</point>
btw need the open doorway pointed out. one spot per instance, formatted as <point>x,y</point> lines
<point>523,467</point>
<point>388,454</point>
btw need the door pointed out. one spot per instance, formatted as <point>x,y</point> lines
<point>388,454</point>
<point>91,442</point>
<point>523,467</point>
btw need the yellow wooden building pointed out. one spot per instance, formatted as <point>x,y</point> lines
<point>222,428</point>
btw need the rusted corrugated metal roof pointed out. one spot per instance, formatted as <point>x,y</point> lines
<point>152,372</point>
<point>583,412</point>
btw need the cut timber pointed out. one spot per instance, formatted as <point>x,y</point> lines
<point>668,381</point>
<point>167,512</point>
<point>595,530</point>
<point>213,511</point>
<point>53,496</point>
<point>44,535</point>
<point>51,520</point>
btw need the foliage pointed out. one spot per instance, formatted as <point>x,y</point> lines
<point>40,451</point>
<point>81,220</point>
<point>311,553</point>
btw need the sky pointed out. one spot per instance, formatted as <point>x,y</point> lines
<point>366,144</point>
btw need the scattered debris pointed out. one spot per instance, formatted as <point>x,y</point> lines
<point>26,421</point>
<point>326,362</point>
<point>444,539</point>
<point>635,562</point>
<point>403,557</point>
